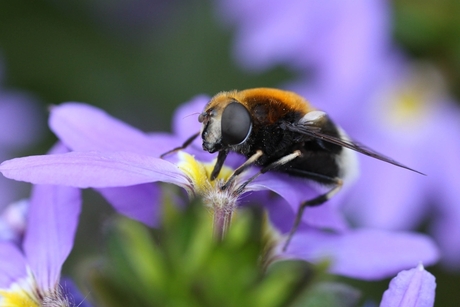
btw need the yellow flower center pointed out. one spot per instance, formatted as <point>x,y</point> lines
<point>223,203</point>
<point>17,296</point>
<point>200,173</point>
<point>26,293</point>
<point>409,103</point>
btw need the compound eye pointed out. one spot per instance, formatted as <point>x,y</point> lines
<point>236,124</point>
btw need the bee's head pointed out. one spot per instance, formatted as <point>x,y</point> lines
<point>226,122</point>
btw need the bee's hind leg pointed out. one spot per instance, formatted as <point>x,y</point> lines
<point>321,199</point>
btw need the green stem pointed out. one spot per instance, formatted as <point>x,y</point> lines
<point>222,220</point>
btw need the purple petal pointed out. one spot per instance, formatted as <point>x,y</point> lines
<point>93,169</point>
<point>443,175</point>
<point>282,216</point>
<point>345,56</point>
<point>268,32</point>
<point>411,288</point>
<point>140,202</point>
<point>293,190</point>
<point>271,32</point>
<point>363,253</point>
<point>52,223</point>
<point>297,190</point>
<point>446,231</point>
<point>12,264</point>
<point>58,148</point>
<point>84,127</point>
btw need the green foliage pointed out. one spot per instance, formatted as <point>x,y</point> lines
<point>181,265</point>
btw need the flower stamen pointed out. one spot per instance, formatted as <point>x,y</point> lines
<point>221,202</point>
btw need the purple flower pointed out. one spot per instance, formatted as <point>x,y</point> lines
<point>30,272</point>
<point>349,68</point>
<point>111,156</point>
<point>411,288</point>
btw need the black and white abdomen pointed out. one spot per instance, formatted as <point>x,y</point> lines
<point>347,161</point>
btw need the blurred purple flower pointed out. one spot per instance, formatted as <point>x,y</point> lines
<point>334,43</point>
<point>13,221</point>
<point>30,271</point>
<point>414,121</point>
<point>411,288</point>
<point>348,67</point>
<point>21,125</point>
<point>109,155</point>
<point>408,116</point>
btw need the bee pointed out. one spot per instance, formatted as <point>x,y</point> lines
<point>279,131</point>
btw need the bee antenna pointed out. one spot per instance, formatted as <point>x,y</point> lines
<point>194,113</point>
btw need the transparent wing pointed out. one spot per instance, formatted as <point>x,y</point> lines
<point>315,132</point>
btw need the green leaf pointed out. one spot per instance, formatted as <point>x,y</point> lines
<point>181,264</point>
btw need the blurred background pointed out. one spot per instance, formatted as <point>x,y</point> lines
<point>140,59</point>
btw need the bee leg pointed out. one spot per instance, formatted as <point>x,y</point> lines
<point>312,203</point>
<point>219,163</point>
<point>242,168</point>
<point>272,166</point>
<point>185,145</point>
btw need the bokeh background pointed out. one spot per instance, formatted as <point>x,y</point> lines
<point>140,59</point>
